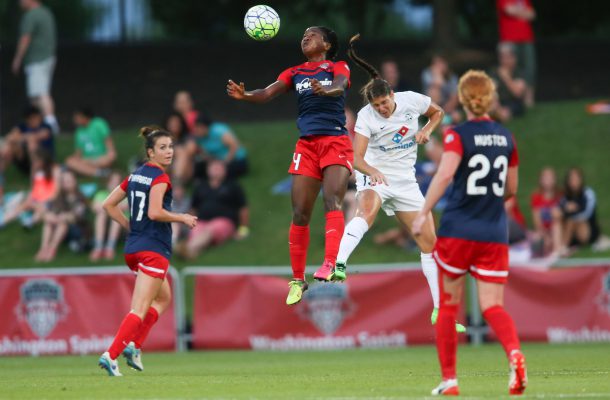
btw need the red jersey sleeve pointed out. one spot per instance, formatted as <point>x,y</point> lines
<point>536,200</point>
<point>514,156</point>
<point>286,77</point>
<point>124,184</point>
<point>453,142</point>
<point>163,178</point>
<point>341,68</point>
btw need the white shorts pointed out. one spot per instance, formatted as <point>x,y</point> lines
<point>398,195</point>
<point>39,76</point>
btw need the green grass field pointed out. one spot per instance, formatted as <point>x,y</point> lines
<point>555,371</point>
<point>559,134</point>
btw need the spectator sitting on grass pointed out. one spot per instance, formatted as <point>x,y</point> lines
<point>391,73</point>
<point>510,85</point>
<point>45,185</point>
<point>102,227</point>
<point>94,148</point>
<point>211,140</point>
<point>221,209</point>
<point>440,83</point>
<point>183,105</point>
<point>67,212</point>
<point>25,139</point>
<point>579,209</point>
<point>546,215</point>
<point>176,125</point>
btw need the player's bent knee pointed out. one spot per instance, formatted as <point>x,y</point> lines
<point>427,246</point>
<point>332,203</point>
<point>487,303</point>
<point>301,218</point>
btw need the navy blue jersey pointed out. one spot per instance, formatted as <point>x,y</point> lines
<point>475,208</point>
<point>145,234</point>
<point>318,115</point>
<point>48,144</point>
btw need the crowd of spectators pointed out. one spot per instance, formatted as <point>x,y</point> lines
<point>66,196</point>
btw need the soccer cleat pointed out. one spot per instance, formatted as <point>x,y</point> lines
<point>297,287</point>
<point>111,366</point>
<point>447,387</point>
<point>339,273</point>
<point>133,357</point>
<point>434,316</point>
<point>518,373</point>
<point>325,272</point>
<point>459,328</point>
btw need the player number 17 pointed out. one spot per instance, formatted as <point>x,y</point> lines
<point>141,204</point>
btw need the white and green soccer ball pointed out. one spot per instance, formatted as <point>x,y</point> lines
<point>261,22</point>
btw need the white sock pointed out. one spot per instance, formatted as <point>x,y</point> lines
<point>354,231</point>
<point>430,269</point>
<point>52,122</point>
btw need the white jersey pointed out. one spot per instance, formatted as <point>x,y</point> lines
<point>392,148</point>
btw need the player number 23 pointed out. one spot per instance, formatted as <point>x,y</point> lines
<point>483,166</point>
<point>141,204</point>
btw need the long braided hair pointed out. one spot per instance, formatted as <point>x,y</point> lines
<point>376,86</point>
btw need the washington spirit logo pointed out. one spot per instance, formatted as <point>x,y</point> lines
<point>603,299</point>
<point>400,134</point>
<point>326,306</point>
<point>41,305</point>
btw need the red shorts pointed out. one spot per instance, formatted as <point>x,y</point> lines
<point>314,153</point>
<point>486,261</point>
<point>151,263</point>
<point>221,228</point>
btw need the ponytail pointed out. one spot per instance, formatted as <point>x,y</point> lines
<point>476,92</point>
<point>151,133</point>
<point>376,86</point>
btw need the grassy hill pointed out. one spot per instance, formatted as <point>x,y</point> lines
<point>556,134</point>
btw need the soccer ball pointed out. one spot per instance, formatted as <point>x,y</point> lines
<point>261,22</point>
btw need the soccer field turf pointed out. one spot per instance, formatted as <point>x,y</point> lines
<point>555,371</point>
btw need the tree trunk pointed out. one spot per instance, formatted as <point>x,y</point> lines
<point>445,25</point>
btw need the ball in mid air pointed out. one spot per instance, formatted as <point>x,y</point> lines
<point>261,22</point>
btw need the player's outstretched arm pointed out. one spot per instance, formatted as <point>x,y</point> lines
<point>435,116</point>
<point>361,143</point>
<point>156,212</point>
<point>111,206</point>
<point>238,92</point>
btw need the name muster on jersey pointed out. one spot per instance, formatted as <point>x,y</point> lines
<point>392,148</point>
<point>318,115</point>
<point>475,209</point>
<point>144,233</point>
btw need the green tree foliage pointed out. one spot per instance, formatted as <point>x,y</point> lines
<point>198,20</point>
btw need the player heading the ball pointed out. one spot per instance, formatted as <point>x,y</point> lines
<point>323,156</point>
